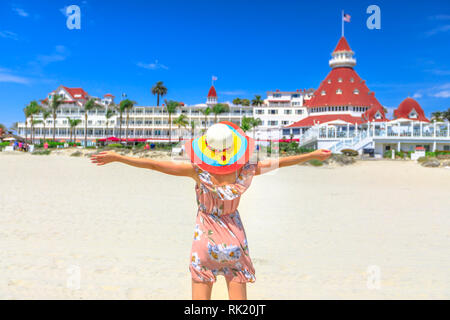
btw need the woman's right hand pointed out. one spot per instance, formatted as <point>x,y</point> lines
<point>321,154</point>
<point>104,157</point>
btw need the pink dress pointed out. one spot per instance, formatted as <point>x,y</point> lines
<point>220,245</point>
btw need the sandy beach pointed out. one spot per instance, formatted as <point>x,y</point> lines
<point>72,230</point>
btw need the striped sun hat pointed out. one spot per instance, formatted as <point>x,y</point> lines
<point>224,148</point>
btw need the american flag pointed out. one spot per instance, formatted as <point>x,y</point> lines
<point>214,78</point>
<point>346,17</point>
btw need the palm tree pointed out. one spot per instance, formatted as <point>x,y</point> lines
<point>206,112</point>
<point>438,115</point>
<point>257,101</point>
<point>53,104</point>
<point>45,115</point>
<point>126,105</point>
<point>14,127</point>
<point>245,102</point>
<point>109,114</point>
<point>32,126</point>
<point>246,124</point>
<point>32,109</point>
<point>73,124</point>
<point>159,90</point>
<point>255,122</point>
<point>447,114</point>
<point>171,107</point>
<point>181,121</point>
<point>237,101</point>
<point>218,109</point>
<point>192,123</point>
<point>90,105</point>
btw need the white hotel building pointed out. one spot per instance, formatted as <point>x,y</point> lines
<point>152,122</point>
<point>341,113</point>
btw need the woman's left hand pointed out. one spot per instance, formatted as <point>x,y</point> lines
<point>321,154</point>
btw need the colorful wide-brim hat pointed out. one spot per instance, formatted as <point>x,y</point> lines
<point>227,150</point>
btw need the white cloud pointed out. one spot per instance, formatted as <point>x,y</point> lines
<point>60,54</point>
<point>439,72</point>
<point>437,30</point>
<point>440,17</point>
<point>233,93</point>
<point>442,94</point>
<point>152,66</point>
<point>11,78</point>
<point>417,95</point>
<point>9,35</point>
<point>20,12</point>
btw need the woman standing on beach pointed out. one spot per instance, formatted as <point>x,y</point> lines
<point>221,167</point>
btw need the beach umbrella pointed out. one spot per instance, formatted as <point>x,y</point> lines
<point>9,139</point>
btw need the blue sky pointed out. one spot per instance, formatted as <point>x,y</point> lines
<point>251,46</point>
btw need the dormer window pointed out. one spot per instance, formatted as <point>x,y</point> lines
<point>378,115</point>
<point>413,114</point>
<point>356,91</point>
<point>340,80</point>
<point>338,91</point>
<point>352,80</point>
<point>323,93</point>
<point>329,80</point>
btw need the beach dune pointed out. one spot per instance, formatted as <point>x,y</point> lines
<point>373,230</point>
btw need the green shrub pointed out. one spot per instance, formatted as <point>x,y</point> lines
<point>315,162</point>
<point>349,152</point>
<point>41,152</point>
<point>115,145</point>
<point>430,154</point>
<point>76,154</point>
<point>4,144</point>
<point>423,159</point>
<point>387,154</point>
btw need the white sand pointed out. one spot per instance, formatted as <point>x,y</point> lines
<point>312,232</point>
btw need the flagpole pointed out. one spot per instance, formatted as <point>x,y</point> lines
<point>342,21</point>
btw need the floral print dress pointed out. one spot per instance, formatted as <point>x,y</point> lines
<point>220,244</point>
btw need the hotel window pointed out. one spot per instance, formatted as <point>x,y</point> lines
<point>284,122</point>
<point>287,111</point>
<point>273,123</point>
<point>259,111</point>
<point>446,148</point>
<point>338,91</point>
<point>329,80</point>
<point>340,80</point>
<point>298,111</point>
<point>323,93</point>
<point>413,114</point>
<point>356,91</point>
<point>273,111</point>
<point>296,131</point>
<point>286,132</point>
<point>352,80</point>
<point>277,95</point>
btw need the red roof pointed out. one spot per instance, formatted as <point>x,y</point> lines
<point>342,45</point>
<point>370,114</point>
<point>109,95</point>
<point>406,107</point>
<point>354,91</point>
<point>312,120</point>
<point>212,92</point>
<point>77,93</point>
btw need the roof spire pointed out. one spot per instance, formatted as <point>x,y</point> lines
<point>342,55</point>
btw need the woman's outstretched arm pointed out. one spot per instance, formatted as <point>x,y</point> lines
<point>168,167</point>
<point>265,166</point>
